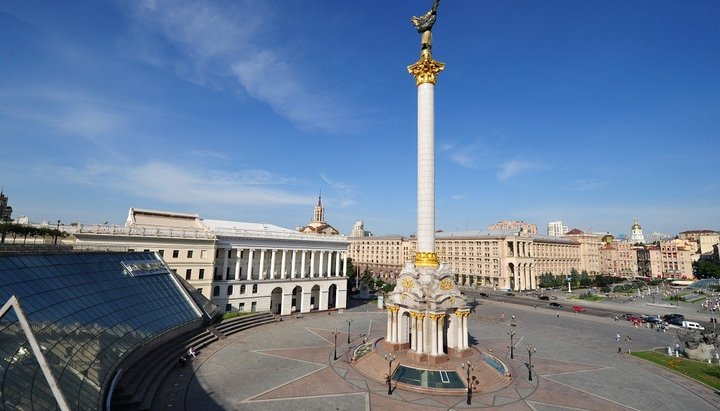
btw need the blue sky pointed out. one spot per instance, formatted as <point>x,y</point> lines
<point>591,112</point>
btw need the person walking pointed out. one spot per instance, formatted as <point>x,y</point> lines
<point>191,352</point>
<point>617,337</point>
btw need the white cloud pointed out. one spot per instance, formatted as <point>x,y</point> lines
<point>463,159</point>
<point>513,168</point>
<point>166,182</point>
<point>457,196</point>
<point>216,43</point>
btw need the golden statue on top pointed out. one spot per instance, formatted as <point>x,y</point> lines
<point>423,24</point>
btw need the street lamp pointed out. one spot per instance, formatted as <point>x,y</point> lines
<point>531,350</point>
<point>57,231</point>
<point>511,333</point>
<point>389,358</point>
<point>335,332</point>
<point>349,321</point>
<point>468,369</point>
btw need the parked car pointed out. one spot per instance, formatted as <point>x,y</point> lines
<point>636,319</point>
<point>651,319</point>
<point>626,315</point>
<point>509,294</point>
<point>483,295</point>
<point>675,321</point>
<point>690,325</point>
<point>554,304</point>
<point>667,316</point>
<point>544,298</point>
<point>578,309</point>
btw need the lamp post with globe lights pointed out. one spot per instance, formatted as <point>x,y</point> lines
<point>511,333</point>
<point>335,333</point>
<point>349,321</point>
<point>468,367</point>
<point>530,350</point>
<point>389,358</point>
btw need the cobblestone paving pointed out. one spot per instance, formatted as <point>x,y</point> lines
<point>290,366</point>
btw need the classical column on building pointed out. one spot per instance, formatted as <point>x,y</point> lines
<point>331,255</point>
<point>302,264</point>
<point>344,258</point>
<point>293,264</point>
<point>312,264</point>
<point>261,268</point>
<point>224,262</point>
<point>388,331</point>
<point>320,263</point>
<point>420,346</point>
<point>441,333</point>
<point>250,264</point>
<point>237,264</point>
<point>272,264</point>
<point>283,265</point>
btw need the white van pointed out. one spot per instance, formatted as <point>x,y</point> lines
<point>692,325</point>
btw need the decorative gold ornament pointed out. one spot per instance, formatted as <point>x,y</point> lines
<point>452,299</point>
<point>408,283</point>
<point>426,260</point>
<point>446,284</point>
<point>426,69</point>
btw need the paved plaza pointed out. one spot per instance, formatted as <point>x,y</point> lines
<point>289,365</point>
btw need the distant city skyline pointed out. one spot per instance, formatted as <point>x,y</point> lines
<point>589,113</point>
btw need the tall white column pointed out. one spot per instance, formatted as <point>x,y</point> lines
<point>293,265</point>
<point>321,266</point>
<point>441,333</point>
<point>426,168</point>
<point>237,264</point>
<point>393,336</point>
<point>433,335</point>
<point>329,264</point>
<point>344,258</point>
<point>388,336</point>
<point>250,263</point>
<point>302,264</point>
<point>272,264</point>
<point>421,333</point>
<point>312,264</point>
<point>338,257</point>
<point>465,331</point>
<point>413,331</point>
<point>282,265</point>
<point>261,269</point>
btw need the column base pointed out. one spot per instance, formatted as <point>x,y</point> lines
<point>394,347</point>
<point>428,359</point>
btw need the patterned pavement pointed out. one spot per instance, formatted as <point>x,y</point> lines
<point>290,365</point>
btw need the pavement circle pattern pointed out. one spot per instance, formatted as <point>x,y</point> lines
<point>291,365</point>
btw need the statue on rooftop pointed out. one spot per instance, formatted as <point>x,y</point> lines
<point>423,24</point>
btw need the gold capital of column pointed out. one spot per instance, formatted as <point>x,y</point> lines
<point>426,69</point>
<point>426,260</point>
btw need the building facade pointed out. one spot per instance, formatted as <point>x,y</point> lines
<point>239,266</point>
<point>618,259</point>
<point>498,259</point>
<point>589,250</point>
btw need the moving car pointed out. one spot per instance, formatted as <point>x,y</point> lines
<point>690,325</point>
<point>509,294</point>
<point>635,319</point>
<point>554,304</point>
<point>651,319</point>
<point>578,309</point>
<point>544,297</point>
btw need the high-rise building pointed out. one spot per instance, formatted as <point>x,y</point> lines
<point>556,229</point>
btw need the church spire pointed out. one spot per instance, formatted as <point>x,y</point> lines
<point>319,213</point>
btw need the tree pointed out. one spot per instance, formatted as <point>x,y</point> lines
<point>706,269</point>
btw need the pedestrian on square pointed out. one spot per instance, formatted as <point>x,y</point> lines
<point>617,337</point>
<point>619,350</point>
<point>191,352</point>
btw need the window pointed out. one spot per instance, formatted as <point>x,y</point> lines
<point>254,288</point>
<point>189,253</point>
<point>240,255</point>
<point>229,290</point>
<point>228,307</point>
<point>253,306</point>
<point>176,253</point>
<point>217,253</point>
<point>201,274</point>
<point>241,306</point>
<point>188,273</point>
<point>230,253</point>
<point>130,250</point>
<point>162,253</point>
<point>216,291</point>
<point>242,289</point>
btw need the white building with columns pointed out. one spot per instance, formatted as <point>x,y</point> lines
<point>240,266</point>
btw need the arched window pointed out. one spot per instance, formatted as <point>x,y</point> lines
<point>216,291</point>
<point>229,290</point>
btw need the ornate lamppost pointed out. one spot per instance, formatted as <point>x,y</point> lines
<point>335,332</point>
<point>468,369</point>
<point>531,350</point>
<point>349,321</point>
<point>511,333</point>
<point>389,358</point>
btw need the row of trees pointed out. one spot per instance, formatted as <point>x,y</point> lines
<point>24,231</point>
<point>583,279</point>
